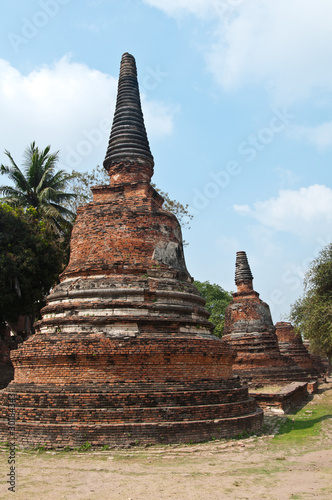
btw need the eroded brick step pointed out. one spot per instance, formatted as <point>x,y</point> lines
<point>133,414</point>
<point>72,435</point>
<point>120,400</point>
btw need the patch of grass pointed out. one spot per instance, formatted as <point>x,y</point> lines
<point>262,470</point>
<point>85,447</point>
<point>305,424</point>
<point>244,435</point>
<point>41,448</point>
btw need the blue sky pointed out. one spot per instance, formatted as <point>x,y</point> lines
<point>237,99</point>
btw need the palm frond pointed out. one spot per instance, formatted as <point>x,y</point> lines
<point>40,185</point>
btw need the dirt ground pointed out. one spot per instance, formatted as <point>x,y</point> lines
<point>291,459</point>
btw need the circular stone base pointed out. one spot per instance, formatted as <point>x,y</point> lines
<point>121,415</point>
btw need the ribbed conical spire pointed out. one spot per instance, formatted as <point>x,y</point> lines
<point>128,140</point>
<point>242,269</point>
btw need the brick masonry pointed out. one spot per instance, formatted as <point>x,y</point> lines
<point>291,344</point>
<point>250,331</point>
<point>288,399</point>
<point>124,352</point>
<point>321,363</point>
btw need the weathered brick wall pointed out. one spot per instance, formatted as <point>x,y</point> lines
<point>249,330</point>
<point>321,363</point>
<point>290,397</point>
<point>127,230</point>
<point>291,345</point>
<point>130,360</point>
<point>129,413</point>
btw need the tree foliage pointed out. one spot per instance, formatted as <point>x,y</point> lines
<point>31,258</point>
<point>217,299</point>
<point>39,185</point>
<point>312,313</point>
<point>180,211</point>
<point>81,184</point>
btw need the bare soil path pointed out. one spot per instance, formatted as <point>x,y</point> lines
<point>290,460</point>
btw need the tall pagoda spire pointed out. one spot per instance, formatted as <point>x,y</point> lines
<point>243,276</point>
<point>128,143</point>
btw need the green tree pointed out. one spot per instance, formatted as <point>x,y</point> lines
<point>217,299</point>
<point>312,313</point>
<point>31,258</point>
<point>39,185</point>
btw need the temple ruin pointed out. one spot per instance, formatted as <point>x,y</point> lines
<point>124,353</point>
<point>250,331</point>
<point>291,345</point>
<point>321,363</point>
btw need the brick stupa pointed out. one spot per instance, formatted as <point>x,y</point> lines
<point>124,351</point>
<point>321,363</point>
<point>291,345</point>
<point>250,331</point>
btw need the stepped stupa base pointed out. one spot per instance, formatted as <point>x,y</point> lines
<point>122,414</point>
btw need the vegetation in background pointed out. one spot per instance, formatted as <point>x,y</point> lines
<point>35,228</point>
<point>82,182</point>
<point>312,313</point>
<point>40,185</point>
<point>217,299</point>
<point>180,211</point>
<point>31,258</point>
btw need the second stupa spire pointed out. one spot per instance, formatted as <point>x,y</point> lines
<point>243,276</point>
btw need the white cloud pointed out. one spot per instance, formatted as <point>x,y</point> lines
<point>284,45</point>
<point>306,212</point>
<point>287,177</point>
<point>69,106</point>
<point>320,136</point>
<point>242,209</point>
<point>158,117</point>
<point>177,8</point>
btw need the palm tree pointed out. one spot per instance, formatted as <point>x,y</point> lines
<point>39,185</point>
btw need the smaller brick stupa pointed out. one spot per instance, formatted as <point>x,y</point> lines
<point>291,345</point>
<point>321,363</point>
<point>249,329</point>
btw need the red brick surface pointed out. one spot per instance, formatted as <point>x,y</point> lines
<point>124,350</point>
<point>249,330</point>
<point>291,345</point>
